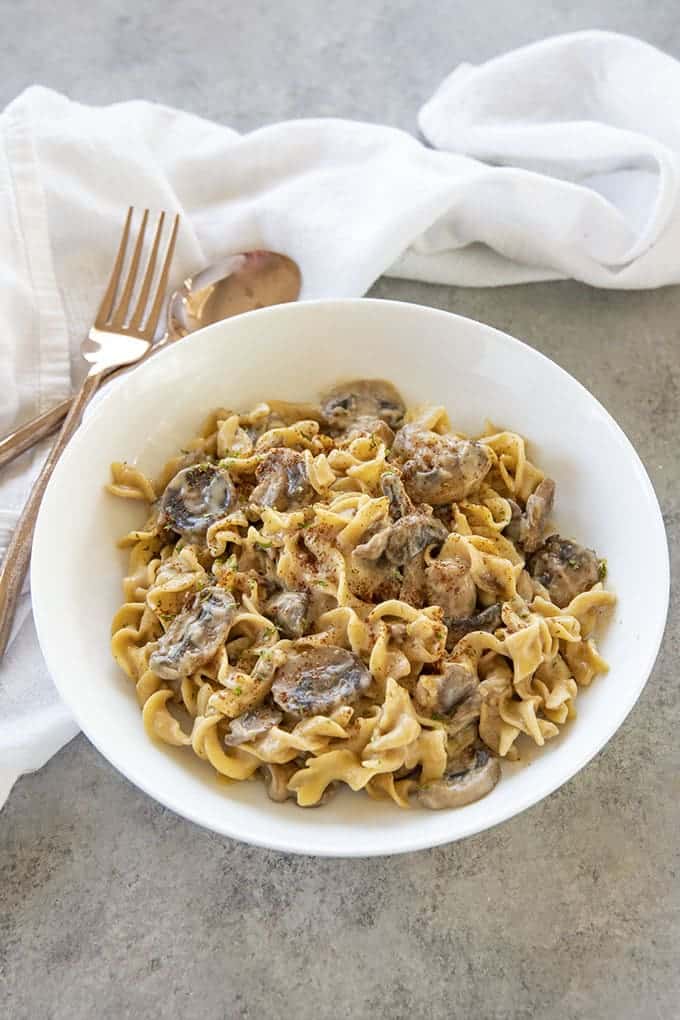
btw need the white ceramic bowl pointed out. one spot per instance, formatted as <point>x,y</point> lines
<point>605,500</point>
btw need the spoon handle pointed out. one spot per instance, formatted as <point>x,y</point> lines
<point>31,432</point>
<point>26,435</point>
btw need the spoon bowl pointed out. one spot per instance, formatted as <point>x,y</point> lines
<point>237,284</point>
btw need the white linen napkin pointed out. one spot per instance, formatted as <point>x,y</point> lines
<point>559,159</point>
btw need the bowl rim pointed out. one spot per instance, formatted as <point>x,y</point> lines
<point>407,841</point>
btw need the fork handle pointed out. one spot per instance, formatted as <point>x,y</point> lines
<point>18,556</point>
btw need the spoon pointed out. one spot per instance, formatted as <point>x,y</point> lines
<point>237,284</point>
<point>240,283</point>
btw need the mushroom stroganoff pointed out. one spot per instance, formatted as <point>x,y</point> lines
<point>352,592</point>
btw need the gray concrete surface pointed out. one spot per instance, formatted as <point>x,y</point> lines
<point>110,907</point>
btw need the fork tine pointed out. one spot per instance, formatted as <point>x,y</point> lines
<point>136,320</point>
<point>107,301</point>
<point>154,314</point>
<point>118,318</point>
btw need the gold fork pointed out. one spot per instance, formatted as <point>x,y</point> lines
<point>114,340</point>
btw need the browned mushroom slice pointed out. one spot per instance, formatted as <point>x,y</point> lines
<point>317,680</point>
<point>362,398</point>
<point>440,693</point>
<point>412,588</point>
<point>411,535</point>
<point>527,528</point>
<point>398,498</point>
<point>194,635</point>
<point>439,469</point>
<point>449,584</point>
<point>400,542</point>
<point>252,724</point>
<point>488,620</point>
<point>195,498</point>
<point>282,480</point>
<point>457,788</point>
<point>465,712</point>
<point>276,779</point>
<point>565,568</point>
<point>288,610</point>
<point>511,530</point>
<point>535,516</point>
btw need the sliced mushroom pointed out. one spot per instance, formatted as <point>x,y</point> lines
<point>488,620</point>
<point>398,498</point>
<point>194,635</point>
<point>362,398</point>
<point>466,712</point>
<point>402,541</point>
<point>438,694</point>
<point>565,569</point>
<point>288,610</point>
<point>412,589</point>
<point>457,788</point>
<point>526,529</point>
<point>534,519</point>
<point>317,680</point>
<point>252,724</point>
<point>282,480</point>
<point>195,498</point>
<point>276,779</point>
<point>439,469</point>
<point>511,530</point>
<point>449,584</point>
<point>374,581</point>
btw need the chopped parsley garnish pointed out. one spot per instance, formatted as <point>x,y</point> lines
<point>238,692</point>
<point>602,569</point>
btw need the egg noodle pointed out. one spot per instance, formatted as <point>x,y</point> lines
<point>198,638</point>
